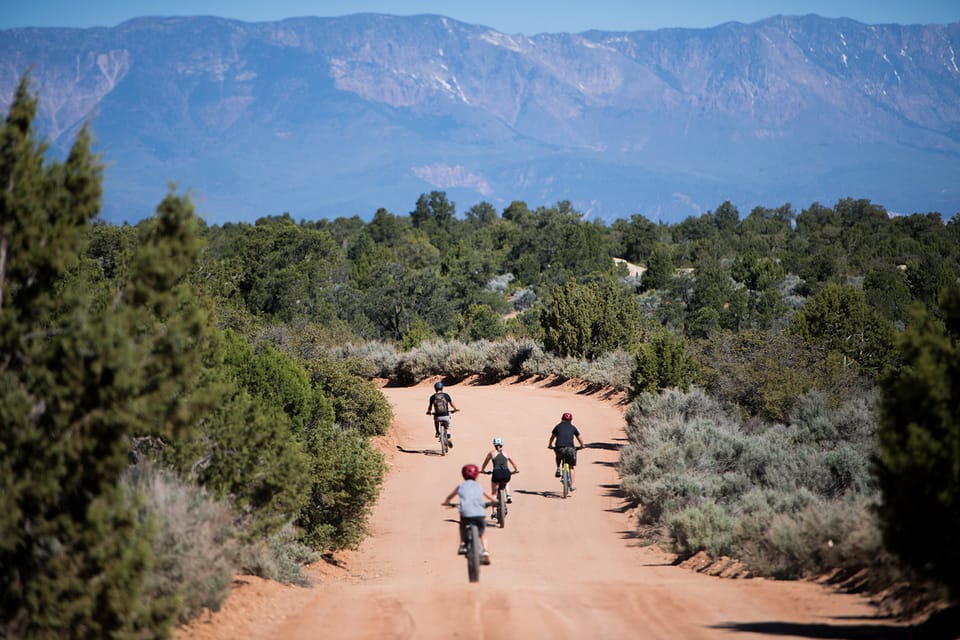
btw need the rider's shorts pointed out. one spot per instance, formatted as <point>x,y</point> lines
<point>480,521</point>
<point>445,418</point>
<point>501,474</point>
<point>568,455</point>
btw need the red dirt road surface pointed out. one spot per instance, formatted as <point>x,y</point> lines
<point>561,568</point>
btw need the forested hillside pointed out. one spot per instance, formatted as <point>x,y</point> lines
<point>182,401</point>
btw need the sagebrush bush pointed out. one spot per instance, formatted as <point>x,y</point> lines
<point>195,547</point>
<point>280,557</point>
<point>421,362</point>
<point>707,527</point>
<point>773,494</point>
<point>380,357</point>
<point>464,359</point>
<point>504,358</point>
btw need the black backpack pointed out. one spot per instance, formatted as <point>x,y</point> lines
<point>440,405</point>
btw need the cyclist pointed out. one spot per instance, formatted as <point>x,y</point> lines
<point>501,468</point>
<point>564,434</point>
<point>472,502</point>
<point>440,405</point>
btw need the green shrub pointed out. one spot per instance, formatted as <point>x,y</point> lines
<point>346,475</point>
<point>357,403</point>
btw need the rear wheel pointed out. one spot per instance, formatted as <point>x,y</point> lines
<point>443,439</point>
<point>473,553</point>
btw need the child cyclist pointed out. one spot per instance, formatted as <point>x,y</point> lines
<point>473,502</point>
<point>501,468</point>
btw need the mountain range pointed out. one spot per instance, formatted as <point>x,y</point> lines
<point>328,117</point>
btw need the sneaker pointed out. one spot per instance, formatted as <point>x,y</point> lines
<point>462,551</point>
<point>484,557</point>
<point>437,435</point>
<point>509,499</point>
<point>572,489</point>
<point>449,442</point>
<point>557,474</point>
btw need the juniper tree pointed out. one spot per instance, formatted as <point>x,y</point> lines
<point>79,376</point>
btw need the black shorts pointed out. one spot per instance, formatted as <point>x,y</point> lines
<point>480,521</point>
<point>568,455</point>
<point>501,474</point>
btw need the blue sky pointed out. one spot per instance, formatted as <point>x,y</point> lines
<point>510,16</point>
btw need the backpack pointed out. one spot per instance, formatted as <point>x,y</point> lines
<point>440,405</point>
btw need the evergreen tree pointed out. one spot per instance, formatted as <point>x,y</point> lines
<point>81,375</point>
<point>919,464</point>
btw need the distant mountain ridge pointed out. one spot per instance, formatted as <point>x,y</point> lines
<point>325,117</point>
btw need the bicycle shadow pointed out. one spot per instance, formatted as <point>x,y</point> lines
<point>422,452</point>
<point>546,493</point>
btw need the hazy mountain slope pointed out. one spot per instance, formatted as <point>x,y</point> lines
<point>340,116</point>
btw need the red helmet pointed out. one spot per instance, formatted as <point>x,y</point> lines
<point>470,471</point>
<point>567,417</point>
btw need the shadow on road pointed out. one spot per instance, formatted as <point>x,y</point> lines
<point>835,631</point>
<point>606,446</point>
<point>542,494</point>
<point>422,452</point>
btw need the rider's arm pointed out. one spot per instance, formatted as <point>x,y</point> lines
<point>510,460</point>
<point>489,457</point>
<point>447,500</point>
<point>553,437</point>
<point>580,440</point>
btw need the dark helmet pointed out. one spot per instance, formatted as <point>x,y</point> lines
<point>438,386</point>
<point>470,471</point>
<point>567,417</point>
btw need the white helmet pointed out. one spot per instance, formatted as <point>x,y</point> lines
<point>498,442</point>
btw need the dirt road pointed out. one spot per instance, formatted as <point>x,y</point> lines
<point>561,568</point>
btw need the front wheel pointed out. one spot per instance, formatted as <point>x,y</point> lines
<point>565,480</point>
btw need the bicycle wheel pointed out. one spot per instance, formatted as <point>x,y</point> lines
<point>565,479</point>
<point>501,507</point>
<point>443,439</point>
<point>473,553</point>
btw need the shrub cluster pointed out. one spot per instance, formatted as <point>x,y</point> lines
<point>790,499</point>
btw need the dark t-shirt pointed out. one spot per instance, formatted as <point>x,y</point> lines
<point>564,432</point>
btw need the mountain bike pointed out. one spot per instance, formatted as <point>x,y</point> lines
<point>443,426</point>
<point>470,538</point>
<point>501,504</point>
<point>566,477</point>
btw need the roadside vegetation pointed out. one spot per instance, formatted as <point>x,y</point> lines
<point>181,402</point>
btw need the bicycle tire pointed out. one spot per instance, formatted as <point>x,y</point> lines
<point>443,440</point>
<point>473,553</point>
<point>501,507</point>
<point>565,479</point>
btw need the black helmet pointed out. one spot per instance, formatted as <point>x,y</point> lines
<point>438,386</point>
